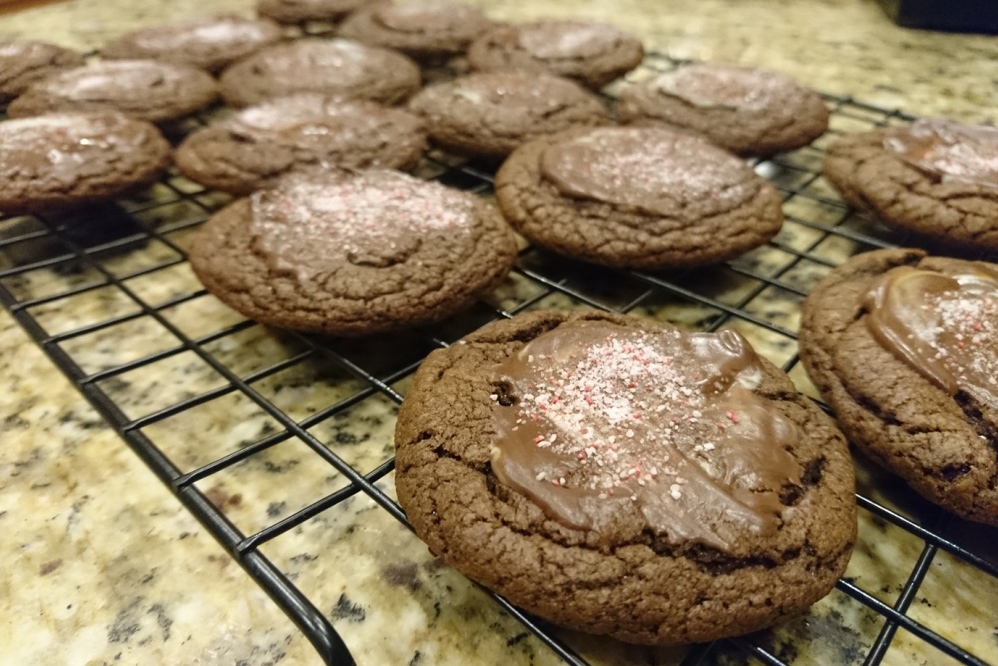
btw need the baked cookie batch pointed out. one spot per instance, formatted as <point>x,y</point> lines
<point>611,474</point>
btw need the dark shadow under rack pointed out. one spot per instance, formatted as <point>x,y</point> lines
<point>39,246</point>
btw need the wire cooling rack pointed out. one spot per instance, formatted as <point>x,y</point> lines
<point>178,366</point>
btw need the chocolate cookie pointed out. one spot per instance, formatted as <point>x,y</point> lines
<point>352,254</point>
<point>144,89</point>
<point>333,67</point>
<point>903,346</point>
<point>934,177</point>
<point>24,63</point>
<point>491,113</point>
<point>592,53</point>
<point>63,160</point>
<point>621,476</point>
<point>748,111</point>
<point>425,30</point>
<point>207,43</point>
<point>300,11</point>
<point>636,197</point>
<point>251,149</point>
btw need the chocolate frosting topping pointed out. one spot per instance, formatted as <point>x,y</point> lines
<point>656,170</point>
<point>952,151</point>
<point>426,16</point>
<point>306,119</point>
<point>594,420</point>
<point>340,60</point>
<point>93,82</point>
<point>309,225</point>
<point>556,40</point>
<point>223,30</point>
<point>943,324</point>
<point>713,86</point>
<point>62,144</point>
<point>515,91</point>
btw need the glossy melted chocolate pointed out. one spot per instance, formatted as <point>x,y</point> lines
<point>717,86</point>
<point>594,420</point>
<point>655,170</point>
<point>949,150</point>
<point>942,324</point>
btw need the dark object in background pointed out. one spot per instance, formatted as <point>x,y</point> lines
<point>979,16</point>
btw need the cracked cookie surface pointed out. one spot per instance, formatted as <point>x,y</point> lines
<point>626,575</point>
<point>251,149</point>
<point>744,110</point>
<point>491,113</point>
<point>942,441</point>
<point>352,254</point>
<point>936,178</point>
<point>636,198</point>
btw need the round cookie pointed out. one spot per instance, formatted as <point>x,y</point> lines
<point>592,53</point>
<point>636,197</point>
<point>903,346</point>
<point>251,149</point>
<point>490,113</point>
<point>300,11</point>
<point>619,476</point>
<point>333,67</point>
<point>747,111</point>
<point>24,63</point>
<point>145,89</point>
<point>425,30</point>
<point>934,177</point>
<point>353,254</point>
<point>63,160</point>
<point>207,43</point>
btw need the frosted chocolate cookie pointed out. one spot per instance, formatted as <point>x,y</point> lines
<point>207,43</point>
<point>636,197</point>
<point>63,160</point>
<point>352,254</point>
<point>145,89</point>
<point>428,30</point>
<point>24,63</point>
<point>935,177</point>
<point>491,113</point>
<point>747,111</point>
<point>904,347</point>
<point>333,67</point>
<point>592,53</point>
<point>624,477</point>
<point>300,11</point>
<point>253,148</point>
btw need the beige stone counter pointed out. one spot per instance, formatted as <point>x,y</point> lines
<point>101,565</point>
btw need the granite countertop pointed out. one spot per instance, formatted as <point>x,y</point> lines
<point>102,565</point>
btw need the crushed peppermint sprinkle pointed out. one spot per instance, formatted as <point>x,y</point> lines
<point>659,170</point>
<point>958,152</point>
<point>972,321</point>
<point>567,39</point>
<point>601,396</point>
<point>708,86</point>
<point>587,409</point>
<point>374,211</point>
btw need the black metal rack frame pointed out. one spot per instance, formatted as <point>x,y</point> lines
<point>33,246</point>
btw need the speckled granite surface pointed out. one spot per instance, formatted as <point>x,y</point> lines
<point>102,565</point>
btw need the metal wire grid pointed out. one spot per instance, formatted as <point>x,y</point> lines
<point>35,249</point>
